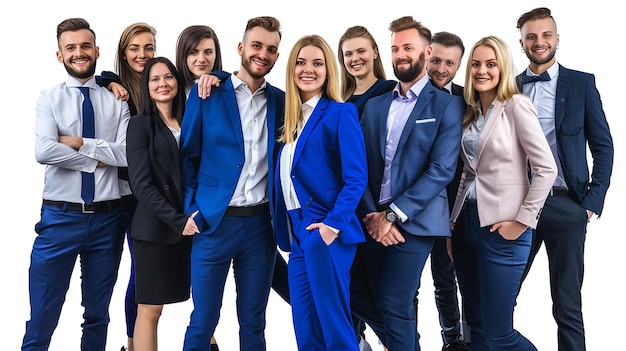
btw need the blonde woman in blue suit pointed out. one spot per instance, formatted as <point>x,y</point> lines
<point>496,205</point>
<point>322,172</point>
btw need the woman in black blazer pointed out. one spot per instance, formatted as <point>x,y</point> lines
<point>161,232</point>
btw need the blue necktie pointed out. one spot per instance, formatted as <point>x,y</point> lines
<point>89,131</point>
<point>531,79</point>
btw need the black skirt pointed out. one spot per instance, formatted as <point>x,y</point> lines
<point>162,271</point>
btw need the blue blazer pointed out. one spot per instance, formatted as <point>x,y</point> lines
<point>425,161</point>
<point>329,173</point>
<point>580,121</point>
<point>212,150</point>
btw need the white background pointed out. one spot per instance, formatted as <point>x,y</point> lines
<point>591,38</point>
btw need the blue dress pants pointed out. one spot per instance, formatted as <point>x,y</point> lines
<point>62,237</point>
<point>489,270</point>
<point>563,228</point>
<point>383,297</point>
<point>319,284</point>
<point>248,243</point>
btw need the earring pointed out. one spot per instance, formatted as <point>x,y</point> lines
<point>557,46</point>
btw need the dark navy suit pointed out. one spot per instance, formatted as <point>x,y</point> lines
<point>579,121</point>
<point>424,163</point>
<point>329,174</point>
<point>212,158</point>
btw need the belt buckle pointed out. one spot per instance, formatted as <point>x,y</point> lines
<point>88,209</point>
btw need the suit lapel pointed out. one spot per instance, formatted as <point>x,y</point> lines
<point>317,114</point>
<point>233,111</point>
<point>490,124</point>
<point>562,89</point>
<point>422,101</point>
<point>382,122</point>
<point>163,136</point>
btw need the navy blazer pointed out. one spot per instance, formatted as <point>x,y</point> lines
<point>212,150</point>
<point>329,173</point>
<point>424,163</point>
<point>580,121</point>
<point>154,170</point>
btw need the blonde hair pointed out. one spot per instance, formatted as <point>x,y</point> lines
<point>293,102</point>
<point>506,87</point>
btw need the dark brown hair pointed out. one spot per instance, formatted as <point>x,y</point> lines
<point>148,106</point>
<point>268,23</point>
<point>73,25</point>
<point>448,40</point>
<point>536,14</point>
<point>187,41</point>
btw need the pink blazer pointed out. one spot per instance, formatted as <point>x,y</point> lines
<point>511,139</point>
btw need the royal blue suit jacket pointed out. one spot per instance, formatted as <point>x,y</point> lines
<point>424,163</point>
<point>580,121</point>
<point>329,173</point>
<point>212,150</point>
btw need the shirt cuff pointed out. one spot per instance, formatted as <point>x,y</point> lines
<point>403,217</point>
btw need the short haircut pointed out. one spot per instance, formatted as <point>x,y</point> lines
<point>535,14</point>
<point>73,25</point>
<point>448,40</point>
<point>269,23</point>
<point>407,22</point>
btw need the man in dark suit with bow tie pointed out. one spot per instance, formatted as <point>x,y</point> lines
<point>571,115</point>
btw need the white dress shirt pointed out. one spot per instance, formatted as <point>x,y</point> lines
<point>59,113</point>
<point>286,157</point>
<point>252,185</point>
<point>543,96</point>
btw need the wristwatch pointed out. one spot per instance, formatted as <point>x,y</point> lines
<point>391,216</point>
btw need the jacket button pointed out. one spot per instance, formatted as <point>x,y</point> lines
<point>166,187</point>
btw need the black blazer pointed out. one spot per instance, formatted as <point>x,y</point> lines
<point>154,171</point>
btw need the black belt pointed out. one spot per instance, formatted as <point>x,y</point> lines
<point>96,207</point>
<point>557,191</point>
<point>247,211</point>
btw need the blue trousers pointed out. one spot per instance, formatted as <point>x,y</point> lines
<point>563,229</point>
<point>319,284</point>
<point>383,296</point>
<point>62,237</point>
<point>248,243</point>
<point>489,270</point>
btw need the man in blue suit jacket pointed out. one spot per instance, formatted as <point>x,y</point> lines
<point>571,115</point>
<point>412,137</point>
<point>227,148</point>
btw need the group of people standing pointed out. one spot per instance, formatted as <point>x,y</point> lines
<point>359,178</point>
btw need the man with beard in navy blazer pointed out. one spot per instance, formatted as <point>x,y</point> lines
<point>412,137</point>
<point>227,147</point>
<point>571,116</point>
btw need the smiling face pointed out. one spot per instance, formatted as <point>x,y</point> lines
<point>539,41</point>
<point>140,49</point>
<point>408,54</point>
<point>485,72</point>
<point>444,63</point>
<point>78,53</point>
<point>162,84</point>
<point>202,58</point>
<point>259,52</point>
<point>358,57</point>
<point>310,71</point>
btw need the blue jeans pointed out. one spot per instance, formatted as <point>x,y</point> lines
<point>489,270</point>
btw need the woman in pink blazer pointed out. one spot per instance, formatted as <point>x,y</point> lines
<point>496,205</point>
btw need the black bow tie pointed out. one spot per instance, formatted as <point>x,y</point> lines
<point>531,79</point>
